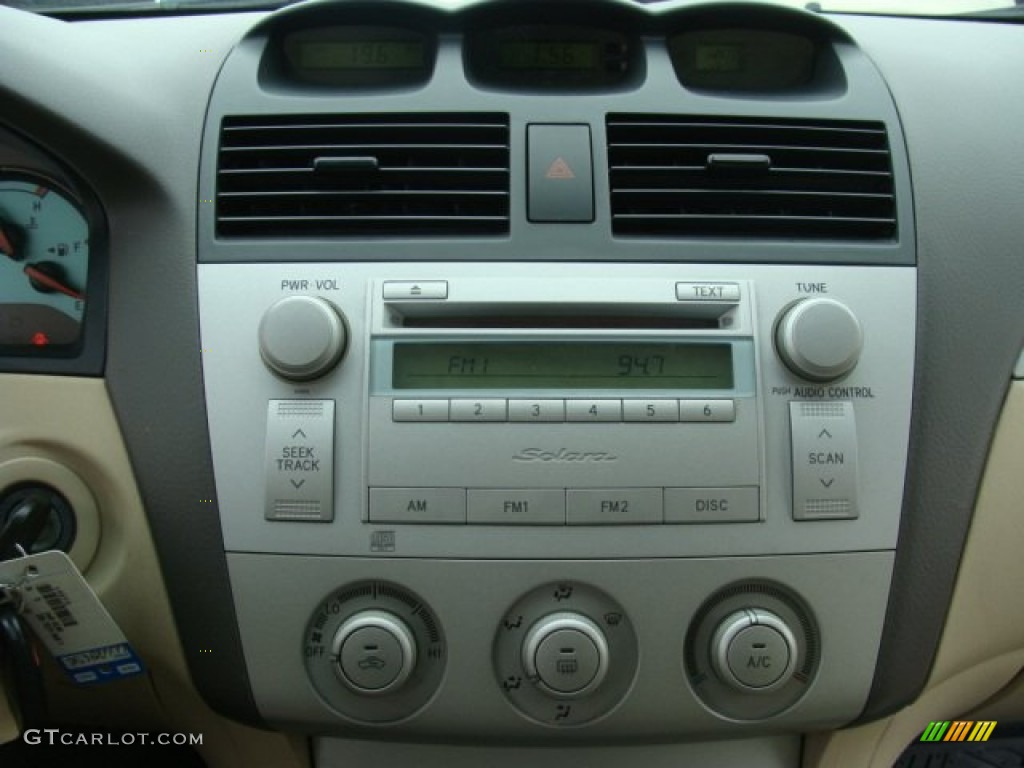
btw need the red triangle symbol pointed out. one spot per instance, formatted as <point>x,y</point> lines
<point>559,169</point>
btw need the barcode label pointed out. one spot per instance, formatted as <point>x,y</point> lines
<point>69,619</point>
<point>57,602</point>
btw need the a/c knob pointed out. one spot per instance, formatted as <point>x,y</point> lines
<point>302,337</point>
<point>819,339</point>
<point>753,650</point>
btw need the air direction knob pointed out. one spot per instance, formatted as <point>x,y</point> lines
<point>566,655</point>
<point>302,337</point>
<point>819,339</point>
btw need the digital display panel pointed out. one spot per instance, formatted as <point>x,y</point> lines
<point>743,59</point>
<point>549,55</point>
<point>562,365</point>
<point>360,54</point>
<point>719,58</point>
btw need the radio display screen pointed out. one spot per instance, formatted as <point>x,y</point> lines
<point>562,365</point>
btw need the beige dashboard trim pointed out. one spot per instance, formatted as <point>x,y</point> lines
<point>982,647</point>
<point>69,423</point>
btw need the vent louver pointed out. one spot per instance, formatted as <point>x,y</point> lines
<point>738,177</point>
<point>350,175</point>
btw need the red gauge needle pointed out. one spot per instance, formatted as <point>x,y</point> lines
<point>38,276</point>
<point>5,244</point>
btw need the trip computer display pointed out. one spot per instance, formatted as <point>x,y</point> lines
<point>753,60</point>
<point>552,56</point>
<point>358,56</point>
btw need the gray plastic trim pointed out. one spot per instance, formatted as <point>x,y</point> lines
<point>970,317</point>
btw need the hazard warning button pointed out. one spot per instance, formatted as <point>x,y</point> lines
<point>561,179</point>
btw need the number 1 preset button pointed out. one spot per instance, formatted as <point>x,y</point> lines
<point>420,410</point>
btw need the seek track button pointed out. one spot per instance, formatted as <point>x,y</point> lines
<point>299,461</point>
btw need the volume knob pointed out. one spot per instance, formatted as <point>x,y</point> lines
<point>302,337</point>
<point>819,339</point>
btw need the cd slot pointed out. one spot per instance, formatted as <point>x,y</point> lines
<point>560,322</point>
<point>557,316</point>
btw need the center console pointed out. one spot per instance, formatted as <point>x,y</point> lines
<point>538,424</point>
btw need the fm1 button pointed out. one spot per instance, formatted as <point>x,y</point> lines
<point>754,650</point>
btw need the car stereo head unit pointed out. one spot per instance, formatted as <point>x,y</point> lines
<point>608,385</point>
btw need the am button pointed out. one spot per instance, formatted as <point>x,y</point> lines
<point>417,505</point>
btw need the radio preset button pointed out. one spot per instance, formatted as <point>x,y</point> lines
<point>707,410</point>
<point>536,410</point>
<point>593,410</point>
<point>417,505</point>
<point>627,506</point>
<point>420,410</point>
<point>492,409</point>
<point>711,505</point>
<point>516,507</point>
<point>650,410</point>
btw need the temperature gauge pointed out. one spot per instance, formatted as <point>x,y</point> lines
<point>44,266</point>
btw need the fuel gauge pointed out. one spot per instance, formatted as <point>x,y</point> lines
<point>44,266</point>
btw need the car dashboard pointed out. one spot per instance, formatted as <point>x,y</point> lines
<point>523,380</point>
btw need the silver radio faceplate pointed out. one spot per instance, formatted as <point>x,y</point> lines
<point>557,410</point>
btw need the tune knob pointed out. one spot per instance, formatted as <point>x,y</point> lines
<point>819,339</point>
<point>753,650</point>
<point>566,655</point>
<point>375,652</point>
<point>302,337</point>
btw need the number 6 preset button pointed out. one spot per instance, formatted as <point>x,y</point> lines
<point>707,410</point>
<point>419,410</point>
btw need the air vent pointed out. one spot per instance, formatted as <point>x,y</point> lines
<point>383,175</point>
<point>702,176</point>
